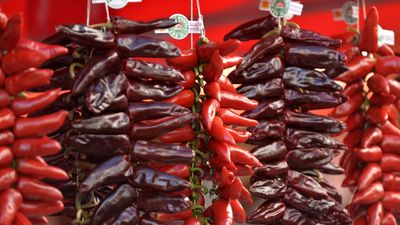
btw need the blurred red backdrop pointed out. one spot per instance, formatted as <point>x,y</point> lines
<point>41,16</point>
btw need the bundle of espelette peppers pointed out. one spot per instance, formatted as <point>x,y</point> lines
<point>25,195</point>
<point>135,144</point>
<point>372,162</point>
<point>288,72</point>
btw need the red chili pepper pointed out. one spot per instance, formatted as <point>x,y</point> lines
<point>3,21</point>
<point>39,220</point>
<point>350,163</point>
<point>180,135</point>
<point>213,70</point>
<point>41,208</point>
<point>391,144</point>
<point>388,65</point>
<point>390,163</point>
<point>6,156</point>
<point>209,109</point>
<point>11,201</point>
<point>187,60</point>
<point>4,98</point>
<point>375,213</point>
<point>243,170</point>
<point>190,79</point>
<point>226,84</point>
<point>391,201</point>
<point>49,51</point>
<point>239,214</point>
<point>397,104</point>
<point>394,88</point>
<point>221,149</point>
<point>192,221</point>
<point>354,121</point>
<point>34,168</point>
<point>7,118</point>
<point>213,90</point>
<point>380,100</point>
<point>8,176</point>
<point>372,172</point>
<point>206,50</point>
<point>353,138</point>
<point>21,219</point>
<point>6,137</point>
<point>350,51</point>
<point>371,136</point>
<point>11,34</point>
<point>2,76</point>
<point>369,36</point>
<point>389,219</point>
<point>222,212</point>
<point>229,117</point>
<point>359,67</point>
<point>385,50</point>
<point>391,182</point>
<point>40,125</point>
<point>230,61</point>
<point>28,79</point>
<point>185,99</point>
<point>232,191</point>
<point>179,170</point>
<point>370,154</point>
<point>370,195</point>
<point>245,195</point>
<point>379,84</point>
<point>224,177</point>
<point>22,106</point>
<point>354,88</point>
<point>360,221</point>
<point>377,115</point>
<point>242,156</point>
<point>240,136</point>
<point>219,132</point>
<point>350,180</point>
<point>36,190</point>
<point>30,147</point>
<point>237,101</point>
<point>393,115</point>
<point>20,60</point>
<point>351,106</point>
<point>389,128</point>
<point>218,163</point>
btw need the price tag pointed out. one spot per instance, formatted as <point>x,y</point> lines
<point>281,8</point>
<point>385,37</point>
<point>183,28</point>
<point>348,13</point>
<point>115,4</point>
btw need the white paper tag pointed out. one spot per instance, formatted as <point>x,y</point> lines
<point>348,13</point>
<point>282,8</point>
<point>385,37</point>
<point>115,4</point>
<point>183,29</point>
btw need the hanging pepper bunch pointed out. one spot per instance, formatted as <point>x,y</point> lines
<point>130,127</point>
<point>280,71</point>
<point>372,163</point>
<point>227,160</point>
<point>25,197</point>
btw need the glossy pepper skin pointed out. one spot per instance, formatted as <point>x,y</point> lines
<point>130,45</point>
<point>387,65</point>
<point>148,70</point>
<point>139,111</point>
<point>122,25</point>
<point>140,90</point>
<point>36,190</point>
<point>27,79</point>
<point>30,147</point>
<point>295,35</point>
<point>313,100</point>
<point>129,216</point>
<point>11,34</point>
<point>161,202</point>
<point>268,89</point>
<point>369,36</point>
<point>23,106</point>
<point>254,29</point>
<point>116,123</point>
<point>11,202</point>
<point>87,36</point>
<point>359,67</point>
<point>97,67</point>
<point>50,51</point>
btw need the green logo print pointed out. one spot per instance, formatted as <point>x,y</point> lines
<point>280,8</point>
<point>181,30</point>
<point>347,11</point>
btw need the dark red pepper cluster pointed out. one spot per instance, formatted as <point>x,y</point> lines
<point>24,197</point>
<point>372,163</point>
<point>283,72</point>
<point>126,143</point>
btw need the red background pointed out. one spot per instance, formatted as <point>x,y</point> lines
<point>41,16</point>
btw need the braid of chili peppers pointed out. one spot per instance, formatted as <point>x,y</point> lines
<point>291,141</point>
<point>121,175</point>
<point>24,197</point>
<point>372,162</point>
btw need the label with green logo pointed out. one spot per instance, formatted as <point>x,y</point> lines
<point>117,4</point>
<point>280,8</point>
<point>349,14</point>
<point>181,30</point>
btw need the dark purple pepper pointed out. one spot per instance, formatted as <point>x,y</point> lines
<point>148,70</point>
<point>268,188</point>
<point>297,139</point>
<point>116,123</point>
<point>267,89</point>
<point>267,129</point>
<point>271,152</point>
<point>267,213</point>
<point>305,185</point>
<point>139,111</point>
<point>139,90</point>
<point>162,202</point>
<point>145,151</point>
<point>269,108</point>
<point>130,216</point>
<point>296,35</point>
<point>304,159</point>
<point>124,26</point>
<point>311,100</point>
